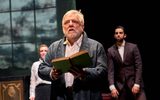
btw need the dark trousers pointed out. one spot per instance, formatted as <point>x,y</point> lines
<point>69,93</point>
<point>126,94</point>
<point>43,92</point>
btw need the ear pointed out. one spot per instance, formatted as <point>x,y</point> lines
<point>125,35</point>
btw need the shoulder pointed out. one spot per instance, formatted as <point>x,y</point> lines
<point>90,41</point>
<point>129,44</point>
<point>113,47</point>
<point>56,43</point>
<point>36,62</point>
<point>94,42</point>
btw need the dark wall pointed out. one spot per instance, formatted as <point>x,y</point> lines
<point>141,22</point>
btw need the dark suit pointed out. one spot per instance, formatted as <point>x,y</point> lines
<point>124,74</point>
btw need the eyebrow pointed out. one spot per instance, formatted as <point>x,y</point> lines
<point>118,32</point>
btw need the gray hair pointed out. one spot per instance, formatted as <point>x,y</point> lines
<point>76,13</point>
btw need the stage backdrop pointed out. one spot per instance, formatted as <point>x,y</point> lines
<point>24,24</point>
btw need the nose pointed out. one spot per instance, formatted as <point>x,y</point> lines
<point>70,22</point>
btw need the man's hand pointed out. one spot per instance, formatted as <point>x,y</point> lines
<point>114,93</point>
<point>55,73</point>
<point>135,89</point>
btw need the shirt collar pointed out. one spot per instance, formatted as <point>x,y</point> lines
<point>79,41</point>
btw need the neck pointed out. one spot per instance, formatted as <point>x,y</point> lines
<point>119,43</point>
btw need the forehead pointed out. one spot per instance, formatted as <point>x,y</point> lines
<point>44,48</point>
<point>119,29</point>
<point>71,16</point>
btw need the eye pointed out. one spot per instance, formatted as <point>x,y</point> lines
<point>75,21</point>
<point>71,21</point>
<point>119,32</point>
<point>66,22</point>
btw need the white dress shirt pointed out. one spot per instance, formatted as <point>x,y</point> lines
<point>121,50</point>
<point>69,78</point>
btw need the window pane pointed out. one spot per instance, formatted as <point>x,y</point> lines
<point>23,26</point>
<point>24,55</point>
<point>45,3</point>
<point>5,56</point>
<point>21,4</point>
<point>46,24</point>
<point>4,5</point>
<point>5,35</point>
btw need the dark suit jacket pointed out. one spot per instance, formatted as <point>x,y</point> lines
<point>129,70</point>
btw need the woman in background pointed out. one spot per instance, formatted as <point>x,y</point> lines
<point>39,88</point>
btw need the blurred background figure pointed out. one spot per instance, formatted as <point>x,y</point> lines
<point>39,88</point>
<point>125,69</point>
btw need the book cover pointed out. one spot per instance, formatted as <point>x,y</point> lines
<point>78,60</point>
<point>62,64</point>
<point>81,59</point>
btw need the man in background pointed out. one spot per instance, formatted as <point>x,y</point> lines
<point>125,69</point>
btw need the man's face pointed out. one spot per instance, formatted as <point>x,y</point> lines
<point>119,34</point>
<point>72,27</point>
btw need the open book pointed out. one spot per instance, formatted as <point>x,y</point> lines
<point>78,60</point>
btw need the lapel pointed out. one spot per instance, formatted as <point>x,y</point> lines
<point>125,51</point>
<point>85,43</point>
<point>117,55</point>
<point>60,49</point>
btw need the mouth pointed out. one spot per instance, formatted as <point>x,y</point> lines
<point>71,30</point>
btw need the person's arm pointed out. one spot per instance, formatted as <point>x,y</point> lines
<point>98,70</point>
<point>110,69</point>
<point>45,70</point>
<point>32,82</point>
<point>114,91</point>
<point>138,65</point>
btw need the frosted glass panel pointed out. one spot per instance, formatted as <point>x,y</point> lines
<point>5,56</point>
<point>24,55</point>
<point>5,34</point>
<point>46,24</point>
<point>45,3</point>
<point>23,26</point>
<point>4,5</point>
<point>22,4</point>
